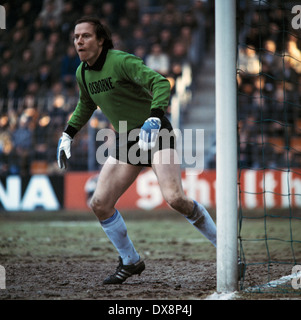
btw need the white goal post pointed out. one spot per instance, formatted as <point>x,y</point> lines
<point>226,145</point>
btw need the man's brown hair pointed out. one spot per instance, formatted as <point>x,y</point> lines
<point>101,31</point>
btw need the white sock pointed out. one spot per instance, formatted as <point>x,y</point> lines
<point>116,230</point>
<point>202,221</point>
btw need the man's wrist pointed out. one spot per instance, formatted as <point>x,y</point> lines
<point>71,131</point>
<point>157,113</point>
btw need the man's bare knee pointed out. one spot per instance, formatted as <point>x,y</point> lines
<point>177,202</point>
<point>101,208</point>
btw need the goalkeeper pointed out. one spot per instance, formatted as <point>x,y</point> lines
<point>120,84</point>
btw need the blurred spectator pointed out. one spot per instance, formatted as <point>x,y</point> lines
<point>290,77</point>
<point>158,60</point>
<point>176,70</point>
<point>55,90</point>
<point>140,52</point>
<point>60,46</point>
<point>27,13</point>
<point>185,36</point>
<point>171,16</point>
<point>7,159</point>
<point>89,9</point>
<point>54,61</point>
<point>52,26</point>
<point>51,9</point>
<point>150,27</point>
<point>7,55</point>
<point>132,11</point>
<point>205,21</point>
<point>37,46</point>
<point>125,29</point>
<point>69,64</point>
<point>265,155</point>
<point>18,43</point>
<point>294,55</point>
<point>166,41</point>
<point>21,26</point>
<point>252,37</point>
<point>37,26</point>
<point>14,90</point>
<point>5,76</point>
<point>190,20</point>
<point>44,79</point>
<point>69,16</point>
<point>248,60</point>
<point>138,39</point>
<point>58,114</point>
<point>107,13</point>
<point>41,138</point>
<point>119,43</point>
<point>269,57</point>
<point>27,67</point>
<point>22,140</point>
<point>33,89</point>
<point>179,52</point>
<point>245,149</point>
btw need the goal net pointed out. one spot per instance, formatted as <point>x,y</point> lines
<point>269,141</point>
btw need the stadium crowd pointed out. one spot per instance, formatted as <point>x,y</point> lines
<point>269,87</point>
<point>38,91</point>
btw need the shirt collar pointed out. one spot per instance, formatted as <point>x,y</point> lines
<point>97,66</point>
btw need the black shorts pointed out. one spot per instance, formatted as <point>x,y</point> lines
<point>127,149</point>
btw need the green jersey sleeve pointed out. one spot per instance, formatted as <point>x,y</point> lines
<point>85,106</point>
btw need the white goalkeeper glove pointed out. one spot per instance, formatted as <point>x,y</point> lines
<point>64,150</point>
<point>149,133</point>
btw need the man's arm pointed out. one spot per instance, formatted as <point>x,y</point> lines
<point>82,113</point>
<point>84,109</point>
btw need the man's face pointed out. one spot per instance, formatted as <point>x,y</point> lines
<point>86,44</point>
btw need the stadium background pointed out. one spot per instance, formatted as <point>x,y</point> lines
<point>38,94</point>
<point>38,90</point>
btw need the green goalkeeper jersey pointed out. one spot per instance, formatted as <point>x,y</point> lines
<point>123,87</point>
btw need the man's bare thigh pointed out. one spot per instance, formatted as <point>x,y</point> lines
<point>114,179</point>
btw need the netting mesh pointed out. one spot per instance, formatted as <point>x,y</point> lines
<point>269,135</point>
